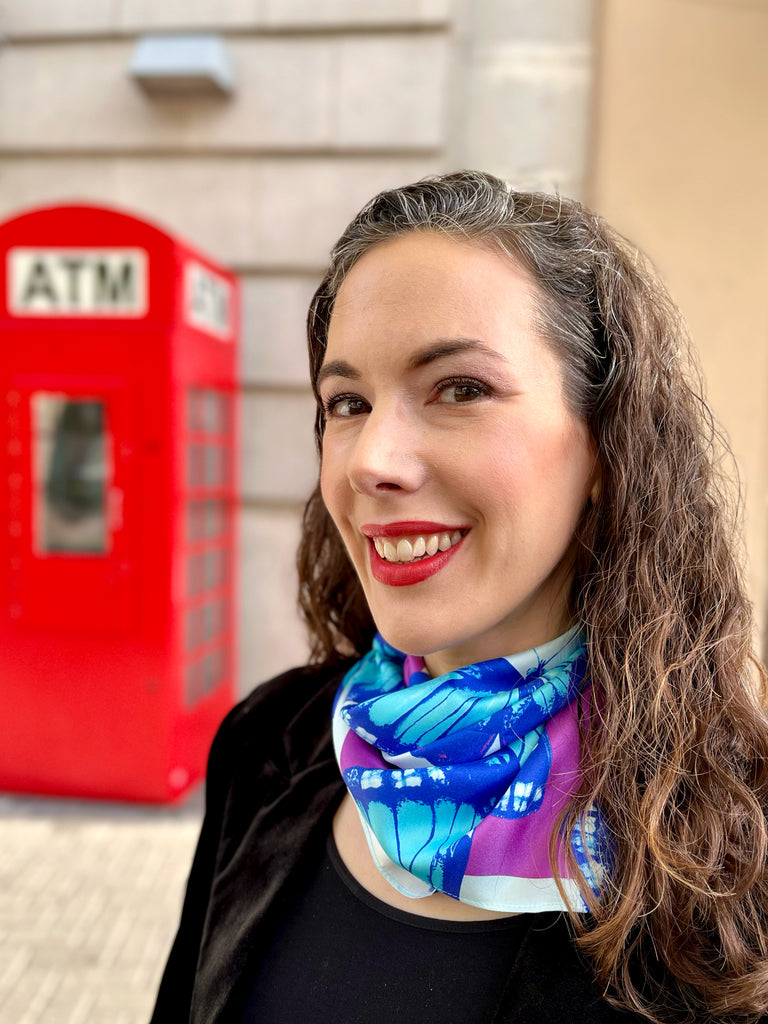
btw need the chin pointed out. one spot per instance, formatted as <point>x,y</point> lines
<point>420,642</point>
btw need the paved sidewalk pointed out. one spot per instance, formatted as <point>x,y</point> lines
<point>89,901</point>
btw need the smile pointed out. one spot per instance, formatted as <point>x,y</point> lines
<point>402,554</point>
<point>414,548</point>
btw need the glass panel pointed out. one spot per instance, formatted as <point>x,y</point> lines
<point>72,471</point>
<point>214,568</point>
<point>214,669</point>
<point>194,627</point>
<point>194,417</point>
<point>196,465</point>
<point>211,414</point>
<point>193,683</point>
<point>195,522</point>
<point>215,412</point>
<point>205,519</point>
<point>214,518</point>
<point>195,574</point>
<point>214,619</point>
<point>216,462</point>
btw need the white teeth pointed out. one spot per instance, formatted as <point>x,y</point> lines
<point>404,551</point>
<point>407,550</point>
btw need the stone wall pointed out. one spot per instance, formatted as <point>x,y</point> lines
<point>335,99</point>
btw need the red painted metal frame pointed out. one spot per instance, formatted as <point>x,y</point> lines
<point>114,673</point>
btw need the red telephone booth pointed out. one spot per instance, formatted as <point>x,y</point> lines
<point>117,484</point>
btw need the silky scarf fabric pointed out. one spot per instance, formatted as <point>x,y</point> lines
<point>459,779</point>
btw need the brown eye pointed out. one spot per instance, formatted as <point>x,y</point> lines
<point>453,392</point>
<point>344,406</point>
<point>465,393</point>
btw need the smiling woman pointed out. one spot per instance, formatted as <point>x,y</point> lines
<point>525,776</point>
<point>429,435</point>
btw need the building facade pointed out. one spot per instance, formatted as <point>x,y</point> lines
<point>332,101</point>
<point>652,110</point>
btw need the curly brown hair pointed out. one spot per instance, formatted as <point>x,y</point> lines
<point>674,735</point>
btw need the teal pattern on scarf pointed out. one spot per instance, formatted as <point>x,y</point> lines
<point>459,779</point>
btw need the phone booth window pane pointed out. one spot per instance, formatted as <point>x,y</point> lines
<point>216,466</point>
<point>214,569</point>
<point>214,669</point>
<point>196,466</point>
<point>214,518</point>
<point>195,574</point>
<point>194,521</point>
<point>71,458</point>
<point>194,683</point>
<point>195,414</point>
<point>214,619</point>
<point>194,628</point>
<point>211,413</point>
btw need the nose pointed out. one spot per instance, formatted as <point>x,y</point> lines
<point>387,454</point>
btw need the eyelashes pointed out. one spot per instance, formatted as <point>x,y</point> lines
<point>464,389</point>
<point>450,391</point>
<point>344,406</point>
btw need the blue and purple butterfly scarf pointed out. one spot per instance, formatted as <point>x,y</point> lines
<point>459,779</point>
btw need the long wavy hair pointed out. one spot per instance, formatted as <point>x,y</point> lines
<point>674,735</point>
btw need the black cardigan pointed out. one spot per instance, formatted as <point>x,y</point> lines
<point>271,791</point>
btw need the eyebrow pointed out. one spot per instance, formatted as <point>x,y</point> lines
<point>439,350</point>
<point>450,347</point>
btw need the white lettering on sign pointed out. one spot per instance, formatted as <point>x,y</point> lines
<point>77,282</point>
<point>207,300</point>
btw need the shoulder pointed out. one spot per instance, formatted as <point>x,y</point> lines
<point>289,710</point>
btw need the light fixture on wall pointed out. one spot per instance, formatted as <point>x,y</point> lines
<point>188,64</point>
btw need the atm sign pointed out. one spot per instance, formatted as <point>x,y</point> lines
<point>77,282</point>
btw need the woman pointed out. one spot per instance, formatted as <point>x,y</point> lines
<point>538,792</point>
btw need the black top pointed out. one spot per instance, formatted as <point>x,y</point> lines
<point>339,953</point>
<point>272,789</point>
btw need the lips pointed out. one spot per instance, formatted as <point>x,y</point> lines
<point>403,554</point>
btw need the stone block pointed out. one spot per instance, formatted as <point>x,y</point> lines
<point>393,91</point>
<point>528,111</point>
<point>308,13</point>
<point>293,94</point>
<point>186,15</point>
<point>272,637</point>
<point>81,96</point>
<point>250,213</point>
<point>75,17</point>
<point>53,18</point>
<point>278,459</point>
<point>547,21</point>
<point>304,205</point>
<point>274,312</point>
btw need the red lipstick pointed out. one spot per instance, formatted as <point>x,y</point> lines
<point>404,528</point>
<point>406,574</point>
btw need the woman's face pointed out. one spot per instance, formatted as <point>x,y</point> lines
<point>451,466</point>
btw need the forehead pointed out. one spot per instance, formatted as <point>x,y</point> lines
<point>430,281</point>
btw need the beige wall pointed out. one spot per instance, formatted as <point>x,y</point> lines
<point>335,99</point>
<point>681,167</point>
